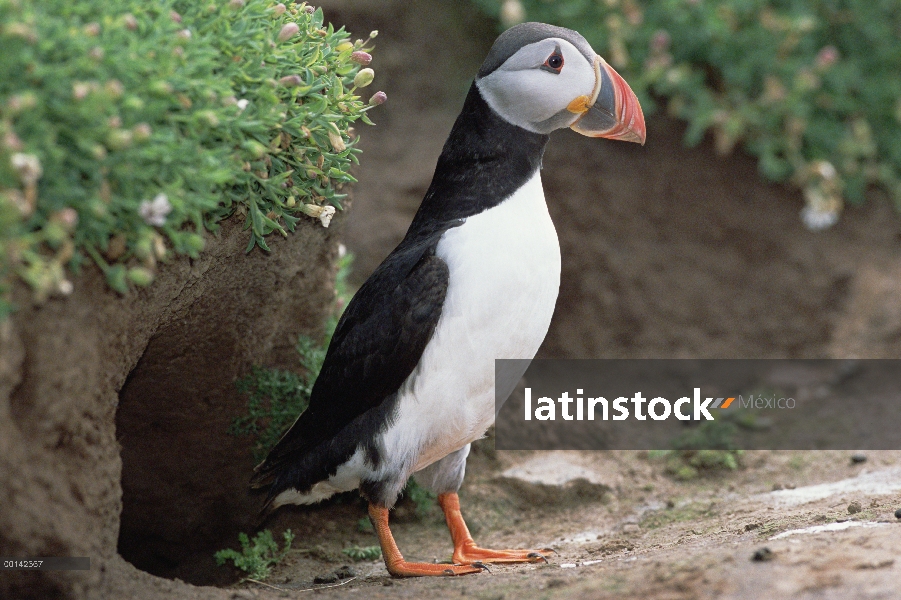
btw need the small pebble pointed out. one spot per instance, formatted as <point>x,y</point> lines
<point>763,554</point>
<point>858,458</point>
<point>777,487</point>
<point>854,508</point>
<point>898,514</point>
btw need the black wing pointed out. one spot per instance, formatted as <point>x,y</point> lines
<point>377,344</point>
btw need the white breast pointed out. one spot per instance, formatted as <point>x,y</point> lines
<point>504,268</point>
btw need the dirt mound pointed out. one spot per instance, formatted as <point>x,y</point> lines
<point>173,350</point>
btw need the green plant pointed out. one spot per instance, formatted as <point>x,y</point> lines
<point>257,556</point>
<point>706,449</point>
<point>808,86</point>
<point>275,397</point>
<point>128,128</point>
<point>364,553</point>
<point>689,464</point>
<point>421,497</point>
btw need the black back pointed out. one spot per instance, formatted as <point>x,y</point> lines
<point>384,330</point>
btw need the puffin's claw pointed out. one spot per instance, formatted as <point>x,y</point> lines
<point>480,565</point>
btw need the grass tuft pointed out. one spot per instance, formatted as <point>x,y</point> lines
<point>257,556</point>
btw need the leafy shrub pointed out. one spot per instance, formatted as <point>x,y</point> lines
<point>274,399</point>
<point>257,556</point>
<point>810,87</point>
<point>126,128</point>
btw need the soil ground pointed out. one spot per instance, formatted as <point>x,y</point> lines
<point>634,532</point>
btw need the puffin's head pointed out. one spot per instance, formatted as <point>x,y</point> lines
<point>541,78</point>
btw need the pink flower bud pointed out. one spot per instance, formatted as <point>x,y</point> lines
<point>12,142</point>
<point>175,16</point>
<point>660,41</point>
<point>361,58</point>
<point>68,217</point>
<point>378,98</point>
<point>80,90</point>
<point>291,80</point>
<point>827,57</point>
<point>131,23</point>
<point>288,32</point>
<point>279,9</point>
<point>142,132</point>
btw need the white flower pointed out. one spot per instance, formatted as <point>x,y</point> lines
<point>28,166</point>
<point>154,211</point>
<point>325,217</point>
<point>512,13</point>
<point>323,213</point>
<point>817,219</point>
<point>242,103</point>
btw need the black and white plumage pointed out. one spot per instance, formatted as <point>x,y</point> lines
<point>408,379</point>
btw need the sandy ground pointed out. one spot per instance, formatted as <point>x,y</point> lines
<point>626,530</point>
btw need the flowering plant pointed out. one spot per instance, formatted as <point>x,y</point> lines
<point>128,128</point>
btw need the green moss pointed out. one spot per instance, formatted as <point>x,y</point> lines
<point>128,128</point>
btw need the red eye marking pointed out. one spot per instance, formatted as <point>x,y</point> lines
<point>554,62</point>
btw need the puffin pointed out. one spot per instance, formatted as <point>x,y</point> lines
<point>409,375</point>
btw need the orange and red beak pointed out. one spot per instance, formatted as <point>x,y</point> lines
<point>613,112</point>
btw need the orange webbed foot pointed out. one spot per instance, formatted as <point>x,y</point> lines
<point>465,550</point>
<point>469,553</point>
<point>399,567</point>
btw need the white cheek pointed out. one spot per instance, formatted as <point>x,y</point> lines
<point>535,95</point>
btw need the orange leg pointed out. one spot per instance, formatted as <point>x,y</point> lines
<point>395,562</point>
<point>465,550</point>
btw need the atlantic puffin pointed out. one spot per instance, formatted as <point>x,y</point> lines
<point>408,378</point>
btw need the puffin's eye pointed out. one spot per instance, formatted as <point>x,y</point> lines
<point>554,62</point>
